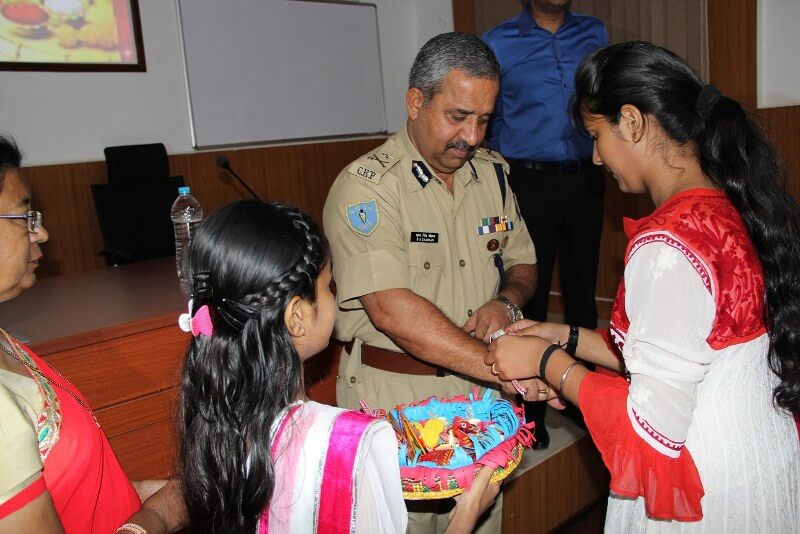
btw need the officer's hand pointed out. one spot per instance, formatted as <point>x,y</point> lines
<point>487,319</point>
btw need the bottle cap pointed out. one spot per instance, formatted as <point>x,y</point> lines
<point>183,190</point>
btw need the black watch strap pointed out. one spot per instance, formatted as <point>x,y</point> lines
<point>572,341</point>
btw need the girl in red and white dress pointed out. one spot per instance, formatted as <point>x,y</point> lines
<point>699,432</point>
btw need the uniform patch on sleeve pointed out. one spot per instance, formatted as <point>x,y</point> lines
<point>363,217</point>
<point>374,165</point>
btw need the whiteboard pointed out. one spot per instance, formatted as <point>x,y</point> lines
<point>261,71</point>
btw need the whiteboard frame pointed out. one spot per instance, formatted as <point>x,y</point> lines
<point>283,141</point>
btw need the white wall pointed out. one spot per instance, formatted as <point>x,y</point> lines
<point>778,44</point>
<point>70,117</point>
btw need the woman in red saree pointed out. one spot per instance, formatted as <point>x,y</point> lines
<point>57,470</point>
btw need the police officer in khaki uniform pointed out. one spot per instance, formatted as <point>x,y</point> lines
<point>430,253</point>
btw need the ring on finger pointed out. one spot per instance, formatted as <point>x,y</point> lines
<point>494,371</point>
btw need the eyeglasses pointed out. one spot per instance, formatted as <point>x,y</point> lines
<point>34,219</point>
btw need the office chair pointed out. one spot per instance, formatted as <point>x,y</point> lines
<point>133,208</point>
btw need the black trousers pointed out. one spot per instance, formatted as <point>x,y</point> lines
<point>564,215</point>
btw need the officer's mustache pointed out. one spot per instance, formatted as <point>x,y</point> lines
<point>461,145</point>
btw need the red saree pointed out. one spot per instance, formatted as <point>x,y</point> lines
<point>90,491</point>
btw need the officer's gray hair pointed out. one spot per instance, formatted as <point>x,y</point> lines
<point>449,51</point>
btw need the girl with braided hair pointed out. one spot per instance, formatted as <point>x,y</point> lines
<point>699,435</point>
<point>254,454</point>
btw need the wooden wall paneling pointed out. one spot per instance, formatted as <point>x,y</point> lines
<point>633,18</point>
<point>782,125</point>
<point>62,194</point>
<point>679,25</point>
<point>464,16</point>
<point>732,49</point>
<point>676,24</point>
<point>548,494</point>
<point>490,14</point>
<point>297,174</point>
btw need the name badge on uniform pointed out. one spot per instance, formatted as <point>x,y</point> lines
<point>363,217</point>
<point>490,225</point>
<point>424,237</point>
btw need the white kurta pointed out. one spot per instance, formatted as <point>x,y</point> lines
<point>719,402</point>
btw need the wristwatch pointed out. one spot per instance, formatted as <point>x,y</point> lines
<point>516,313</point>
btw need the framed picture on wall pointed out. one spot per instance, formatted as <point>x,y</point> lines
<point>71,35</point>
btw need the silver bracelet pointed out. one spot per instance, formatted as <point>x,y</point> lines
<point>564,379</point>
<point>131,527</point>
<point>513,309</point>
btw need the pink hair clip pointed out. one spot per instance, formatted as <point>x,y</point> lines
<point>200,324</point>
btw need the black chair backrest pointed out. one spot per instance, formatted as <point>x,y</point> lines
<point>136,163</point>
<point>135,219</point>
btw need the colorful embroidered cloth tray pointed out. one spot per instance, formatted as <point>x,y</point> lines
<point>444,442</point>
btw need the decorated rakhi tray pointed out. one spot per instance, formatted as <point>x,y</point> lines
<point>444,442</point>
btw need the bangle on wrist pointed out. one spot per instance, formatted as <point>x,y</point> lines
<point>545,357</point>
<point>572,342</point>
<point>564,377</point>
<point>131,527</point>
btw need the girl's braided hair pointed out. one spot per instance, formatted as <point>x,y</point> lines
<point>246,262</point>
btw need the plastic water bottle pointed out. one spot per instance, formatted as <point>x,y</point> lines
<point>186,214</point>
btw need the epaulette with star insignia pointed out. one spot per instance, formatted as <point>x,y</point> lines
<point>373,165</point>
<point>492,156</point>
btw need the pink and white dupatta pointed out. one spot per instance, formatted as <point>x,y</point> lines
<point>317,451</point>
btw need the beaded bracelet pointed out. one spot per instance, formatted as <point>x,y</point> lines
<point>131,527</point>
<point>564,379</point>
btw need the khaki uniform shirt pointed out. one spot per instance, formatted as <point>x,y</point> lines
<point>392,223</point>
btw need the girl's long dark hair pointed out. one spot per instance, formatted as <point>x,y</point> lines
<point>734,153</point>
<point>246,261</point>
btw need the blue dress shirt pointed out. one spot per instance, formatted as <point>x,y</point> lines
<point>537,81</point>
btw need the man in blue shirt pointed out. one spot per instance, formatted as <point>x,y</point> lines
<point>559,190</point>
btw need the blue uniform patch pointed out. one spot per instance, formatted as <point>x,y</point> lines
<point>363,217</point>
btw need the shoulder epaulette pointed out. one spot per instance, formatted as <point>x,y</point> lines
<point>492,157</point>
<point>373,165</point>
